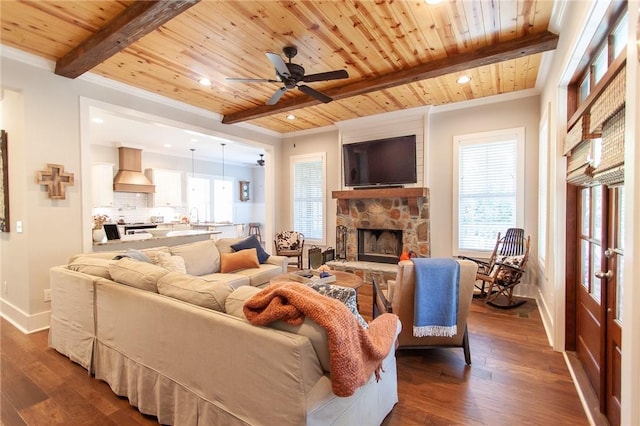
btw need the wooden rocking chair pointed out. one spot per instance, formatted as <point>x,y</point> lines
<point>504,269</point>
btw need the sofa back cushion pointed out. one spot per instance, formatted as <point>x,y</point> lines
<point>200,258</point>
<point>201,291</point>
<point>142,275</point>
<point>224,244</point>
<point>96,266</point>
<point>310,329</point>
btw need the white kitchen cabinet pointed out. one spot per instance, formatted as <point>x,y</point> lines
<point>168,187</point>
<point>102,185</point>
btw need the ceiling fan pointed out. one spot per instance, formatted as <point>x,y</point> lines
<point>291,74</point>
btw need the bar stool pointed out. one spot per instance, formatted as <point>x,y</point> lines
<point>254,229</point>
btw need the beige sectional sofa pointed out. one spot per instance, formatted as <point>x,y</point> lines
<point>178,346</point>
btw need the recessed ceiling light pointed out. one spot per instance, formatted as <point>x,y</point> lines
<point>167,145</point>
<point>463,79</point>
<point>291,117</point>
<point>432,1</point>
<point>205,82</point>
<point>194,140</point>
<point>97,120</point>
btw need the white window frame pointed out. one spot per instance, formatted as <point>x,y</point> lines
<point>517,134</point>
<point>306,158</point>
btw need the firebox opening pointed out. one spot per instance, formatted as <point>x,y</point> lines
<point>379,245</point>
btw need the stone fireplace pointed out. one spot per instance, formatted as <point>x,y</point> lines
<point>399,212</point>
<point>379,245</point>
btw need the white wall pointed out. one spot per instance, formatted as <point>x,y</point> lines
<point>326,142</point>
<point>443,126</point>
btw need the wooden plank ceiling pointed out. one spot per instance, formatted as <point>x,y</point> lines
<point>399,54</point>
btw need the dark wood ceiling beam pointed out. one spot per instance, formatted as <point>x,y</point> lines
<point>517,48</point>
<point>133,23</point>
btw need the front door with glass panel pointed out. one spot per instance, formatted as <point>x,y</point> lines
<point>598,297</point>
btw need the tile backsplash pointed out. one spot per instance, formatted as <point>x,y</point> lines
<point>134,208</point>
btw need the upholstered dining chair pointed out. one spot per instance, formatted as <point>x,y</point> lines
<point>400,298</point>
<point>290,244</point>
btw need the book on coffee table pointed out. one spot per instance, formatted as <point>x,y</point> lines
<point>308,276</point>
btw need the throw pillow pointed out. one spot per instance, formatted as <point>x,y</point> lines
<point>505,274</point>
<point>171,263</point>
<point>252,242</point>
<point>200,258</point>
<point>345,295</point>
<point>137,274</point>
<point>205,292</point>
<point>91,265</point>
<point>243,259</point>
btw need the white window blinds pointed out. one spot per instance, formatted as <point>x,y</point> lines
<point>490,186</point>
<point>308,177</point>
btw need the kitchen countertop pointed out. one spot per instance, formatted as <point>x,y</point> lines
<point>146,240</point>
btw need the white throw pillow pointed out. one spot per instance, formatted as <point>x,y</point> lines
<point>171,263</point>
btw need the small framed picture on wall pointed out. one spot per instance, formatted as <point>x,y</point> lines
<point>244,190</point>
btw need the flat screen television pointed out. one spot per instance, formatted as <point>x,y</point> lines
<point>382,162</point>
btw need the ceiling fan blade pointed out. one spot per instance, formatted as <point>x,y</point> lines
<point>276,96</point>
<point>324,76</point>
<point>313,92</point>
<point>278,64</point>
<point>251,80</point>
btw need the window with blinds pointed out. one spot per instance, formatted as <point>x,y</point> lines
<point>308,183</point>
<point>489,178</point>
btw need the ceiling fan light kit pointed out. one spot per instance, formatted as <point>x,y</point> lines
<point>261,160</point>
<point>290,75</point>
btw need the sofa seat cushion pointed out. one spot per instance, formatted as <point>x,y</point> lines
<point>309,328</point>
<point>137,274</point>
<point>96,266</point>
<point>234,280</point>
<point>243,259</point>
<point>200,258</point>
<point>260,275</point>
<point>201,291</point>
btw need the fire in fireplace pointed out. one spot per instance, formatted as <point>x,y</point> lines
<point>379,245</point>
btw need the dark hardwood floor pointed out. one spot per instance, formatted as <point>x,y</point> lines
<point>515,379</point>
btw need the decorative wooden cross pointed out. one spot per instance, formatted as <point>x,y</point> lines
<point>56,180</point>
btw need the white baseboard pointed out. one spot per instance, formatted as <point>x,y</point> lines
<point>23,321</point>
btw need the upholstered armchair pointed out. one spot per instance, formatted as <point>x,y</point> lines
<point>290,244</point>
<point>398,298</point>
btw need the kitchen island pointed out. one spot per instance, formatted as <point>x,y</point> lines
<point>145,240</point>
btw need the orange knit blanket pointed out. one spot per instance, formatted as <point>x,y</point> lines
<point>355,353</point>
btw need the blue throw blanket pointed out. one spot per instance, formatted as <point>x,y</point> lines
<point>436,297</point>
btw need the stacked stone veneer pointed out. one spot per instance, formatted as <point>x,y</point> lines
<point>387,213</point>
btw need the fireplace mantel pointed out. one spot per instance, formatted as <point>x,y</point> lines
<point>411,194</point>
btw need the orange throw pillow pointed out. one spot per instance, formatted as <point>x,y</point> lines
<point>242,259</point>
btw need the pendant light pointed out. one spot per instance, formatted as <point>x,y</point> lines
<point>193,169</point>
<point>223,181</point>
